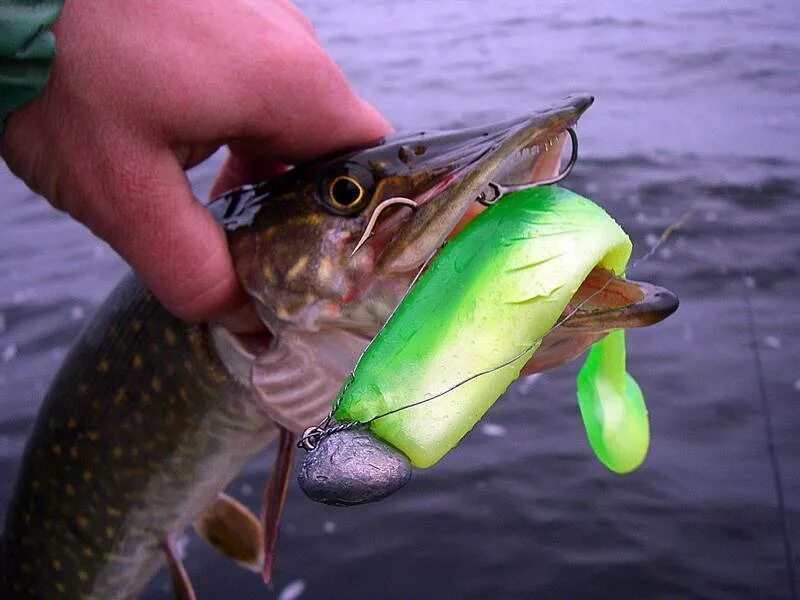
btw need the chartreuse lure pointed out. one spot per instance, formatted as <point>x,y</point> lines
<point>472,321</point>
<point>612,406</point>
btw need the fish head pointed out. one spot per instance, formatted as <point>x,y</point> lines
<point>298,241</point>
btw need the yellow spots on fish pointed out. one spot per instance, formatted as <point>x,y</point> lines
<point>70,489</point>
<point>87,551</point>
<point>137,362</point>
<point>61,588</point>
<point>103,366</point>
<point>233,409</point>
<point>145,398</point>
<point>184,394</point>
<point>113,511</point>
<point>120,397</point>
<point>110,531</point>
<point>134,452</point>
<point>55,449</point>
<point>325,269</point>
<point>136,325</point>
<point>73,452</point>
<point>117,452</point>
<point>25,568</point>
<point>93,435</point>
<point>169,337</point>
<point>282,313</point>
<point>83,389</point>
<point>297,268</point>
<point>87,476</point>
<point>83,576</point>
<point>155,383</point>
<point>269,233</point>
<point>268,273</point>
<point>82,521</point>
<point>72,423</point>
<point>56,564</point>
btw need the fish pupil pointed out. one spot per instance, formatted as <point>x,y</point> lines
<point>346,191</point>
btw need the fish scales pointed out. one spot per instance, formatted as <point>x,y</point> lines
<point>142,425</point>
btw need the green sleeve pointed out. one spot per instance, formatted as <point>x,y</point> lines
<point>27,48</point>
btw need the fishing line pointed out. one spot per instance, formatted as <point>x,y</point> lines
<point>665,235</point>
<point>770,435</point>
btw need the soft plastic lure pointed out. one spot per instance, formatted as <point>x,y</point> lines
<point>466,329</point>
<point>492,291</point>
<point>612,406</point>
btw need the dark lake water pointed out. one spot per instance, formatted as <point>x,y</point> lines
<point>698,104</point>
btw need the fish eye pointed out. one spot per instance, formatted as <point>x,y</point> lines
<point>345,193</point>
<point>345,189</point>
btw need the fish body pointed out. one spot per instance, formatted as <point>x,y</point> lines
<point>150,418</point>
<point>139,429</point>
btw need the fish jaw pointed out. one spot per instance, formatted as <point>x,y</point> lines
<point>524,150</point>
<point>602,303</point>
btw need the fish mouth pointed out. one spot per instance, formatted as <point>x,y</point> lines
<point>525,150</point>
<point>605,301</point>
<point>602,303</point>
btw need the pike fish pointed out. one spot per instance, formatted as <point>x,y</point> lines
<point>150,418</point>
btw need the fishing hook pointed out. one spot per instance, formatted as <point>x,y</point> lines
<point>501,190</point>
<point>376,213</point>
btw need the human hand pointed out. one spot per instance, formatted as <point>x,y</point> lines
<point>141,91</point>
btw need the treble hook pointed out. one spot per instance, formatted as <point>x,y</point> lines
<point>501,190</point>
<point>376,213</point>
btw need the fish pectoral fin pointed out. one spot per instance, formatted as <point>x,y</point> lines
<point>233,531</point>
<point>181,584</point>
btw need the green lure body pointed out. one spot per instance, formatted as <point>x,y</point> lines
<point>489,294</point>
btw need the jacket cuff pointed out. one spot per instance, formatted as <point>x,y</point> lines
<point>27,49</point>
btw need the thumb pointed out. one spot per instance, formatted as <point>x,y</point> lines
<point>170,239</point>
